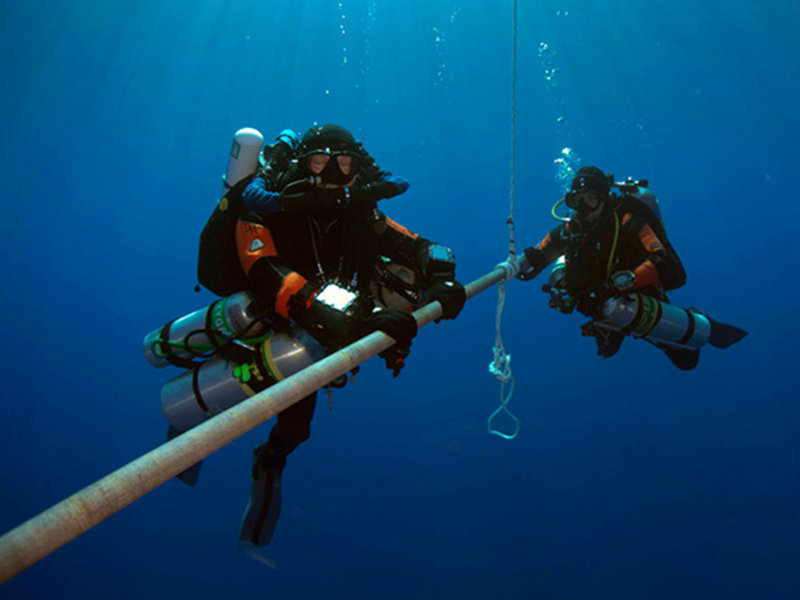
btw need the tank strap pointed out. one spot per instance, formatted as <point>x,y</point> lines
<point>196,390</point>
<point>690,329</point>
<point>613,251</point>
<point>637,314</point>
<point>230,347</point>
<point>166,349</point>
<point>646,318</point>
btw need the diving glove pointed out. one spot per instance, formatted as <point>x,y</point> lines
<point>450,294</point>
<point>360,197</point>
<point>589,302</point>
<point>531,263</point>
<point>397,324</point>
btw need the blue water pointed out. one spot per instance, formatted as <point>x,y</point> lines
<point>629,479</point>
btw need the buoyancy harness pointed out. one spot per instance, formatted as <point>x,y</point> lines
<point>218,266</point>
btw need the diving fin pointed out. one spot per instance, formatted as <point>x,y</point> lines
<point>263,509</point>
<point>190,475</point>
<point>723,335</point>
<point>685,359</point>
<point>608,342</point>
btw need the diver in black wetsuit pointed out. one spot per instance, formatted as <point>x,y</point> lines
<point>615,247</point>
<point>308,234</point>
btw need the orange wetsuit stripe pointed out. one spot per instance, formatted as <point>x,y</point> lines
<point>544,243</point>
<point>397,227</point>
<point>547,248</point>
<point>291,284</point>
<point>253,241</point>
<point>649,239</point>
<point>647,275</point>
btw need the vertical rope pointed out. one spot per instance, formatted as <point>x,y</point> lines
<point>500,366</point>
<point>512,242</point>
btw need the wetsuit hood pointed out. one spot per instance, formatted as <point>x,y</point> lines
<point>591,178</point>
<point>328,137</point>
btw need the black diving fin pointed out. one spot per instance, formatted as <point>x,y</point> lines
<point>685,359</point>
<point>190,475</point>
<point>723,335</point>
<point>263,510</point>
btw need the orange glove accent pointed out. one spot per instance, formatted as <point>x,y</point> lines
<point>291,284</point>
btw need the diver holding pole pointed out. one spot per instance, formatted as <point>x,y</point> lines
<point>36,538</point>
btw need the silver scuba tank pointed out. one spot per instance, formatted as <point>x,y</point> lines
<point>188,336</point>
<point>647,317</point>
<point>215,385</point>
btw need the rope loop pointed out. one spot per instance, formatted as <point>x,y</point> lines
<point>503,408</point>
<point>500,366</point>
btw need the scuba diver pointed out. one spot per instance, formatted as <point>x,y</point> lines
<point>297,249</point>
<point>615,264</point>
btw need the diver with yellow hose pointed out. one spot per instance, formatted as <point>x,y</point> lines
<point>615,264</point>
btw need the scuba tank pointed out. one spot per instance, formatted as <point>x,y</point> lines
<point>638,189</point>
<point>215,385</point>
<point>203,331</point>
<point>241,368</point>
<point>243,160</point>
<point>236,371</point>
<point>638,314</point>
<point>655,320</point>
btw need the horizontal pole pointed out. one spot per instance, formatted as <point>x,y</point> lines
<point>36,538</point>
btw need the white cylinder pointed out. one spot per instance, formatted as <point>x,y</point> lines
<point>243,160</point>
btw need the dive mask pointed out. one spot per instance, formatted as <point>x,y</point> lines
<point>577,200</point>
<point>333,166</point>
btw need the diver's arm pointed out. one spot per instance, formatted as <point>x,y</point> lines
<point>411,250</point>
<point>434,265</point>
<point>536,258</point>
<point>275,284</point>
<point>257,198</point>
<point>291,296</point>
<point>376,183</point>
<point>659,266</point>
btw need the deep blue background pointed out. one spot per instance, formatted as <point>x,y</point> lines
<point>629,478</point>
